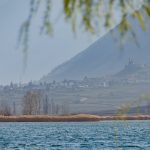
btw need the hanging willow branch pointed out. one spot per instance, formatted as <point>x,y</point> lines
<point>90,14</point>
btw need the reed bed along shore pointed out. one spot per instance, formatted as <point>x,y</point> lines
<point>69,118</point>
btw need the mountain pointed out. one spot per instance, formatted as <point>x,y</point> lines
<point>105,56</point>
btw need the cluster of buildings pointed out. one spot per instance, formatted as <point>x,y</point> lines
<point>127,76</point>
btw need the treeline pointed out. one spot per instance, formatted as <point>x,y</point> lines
<point>34,103</point>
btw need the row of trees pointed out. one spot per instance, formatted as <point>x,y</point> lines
<point>37,103</point>
<point>34,103</point>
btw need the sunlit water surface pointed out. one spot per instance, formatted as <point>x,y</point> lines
<point>107,135</point>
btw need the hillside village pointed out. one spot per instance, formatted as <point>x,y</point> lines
<point>79,96</point>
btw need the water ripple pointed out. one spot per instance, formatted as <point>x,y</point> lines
<point>132,135</point>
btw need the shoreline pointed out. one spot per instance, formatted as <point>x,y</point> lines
<point>70,118</point>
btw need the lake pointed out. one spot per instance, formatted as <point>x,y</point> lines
<point>106,135</point>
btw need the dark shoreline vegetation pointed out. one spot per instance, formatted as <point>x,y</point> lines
<point>70,118</point>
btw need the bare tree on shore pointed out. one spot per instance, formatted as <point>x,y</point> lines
<point>32,103</point>
<point>14,108</point>
<point>5,109</point>
<point>65,108</point>
<point>46,105</point>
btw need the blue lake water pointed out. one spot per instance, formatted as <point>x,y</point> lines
<point>107,135</point>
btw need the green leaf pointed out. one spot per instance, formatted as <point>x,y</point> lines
<point>139,16</point>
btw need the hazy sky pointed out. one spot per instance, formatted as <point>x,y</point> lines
<point>44,53</point>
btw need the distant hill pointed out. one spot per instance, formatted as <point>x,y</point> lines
<point>104,57</point>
